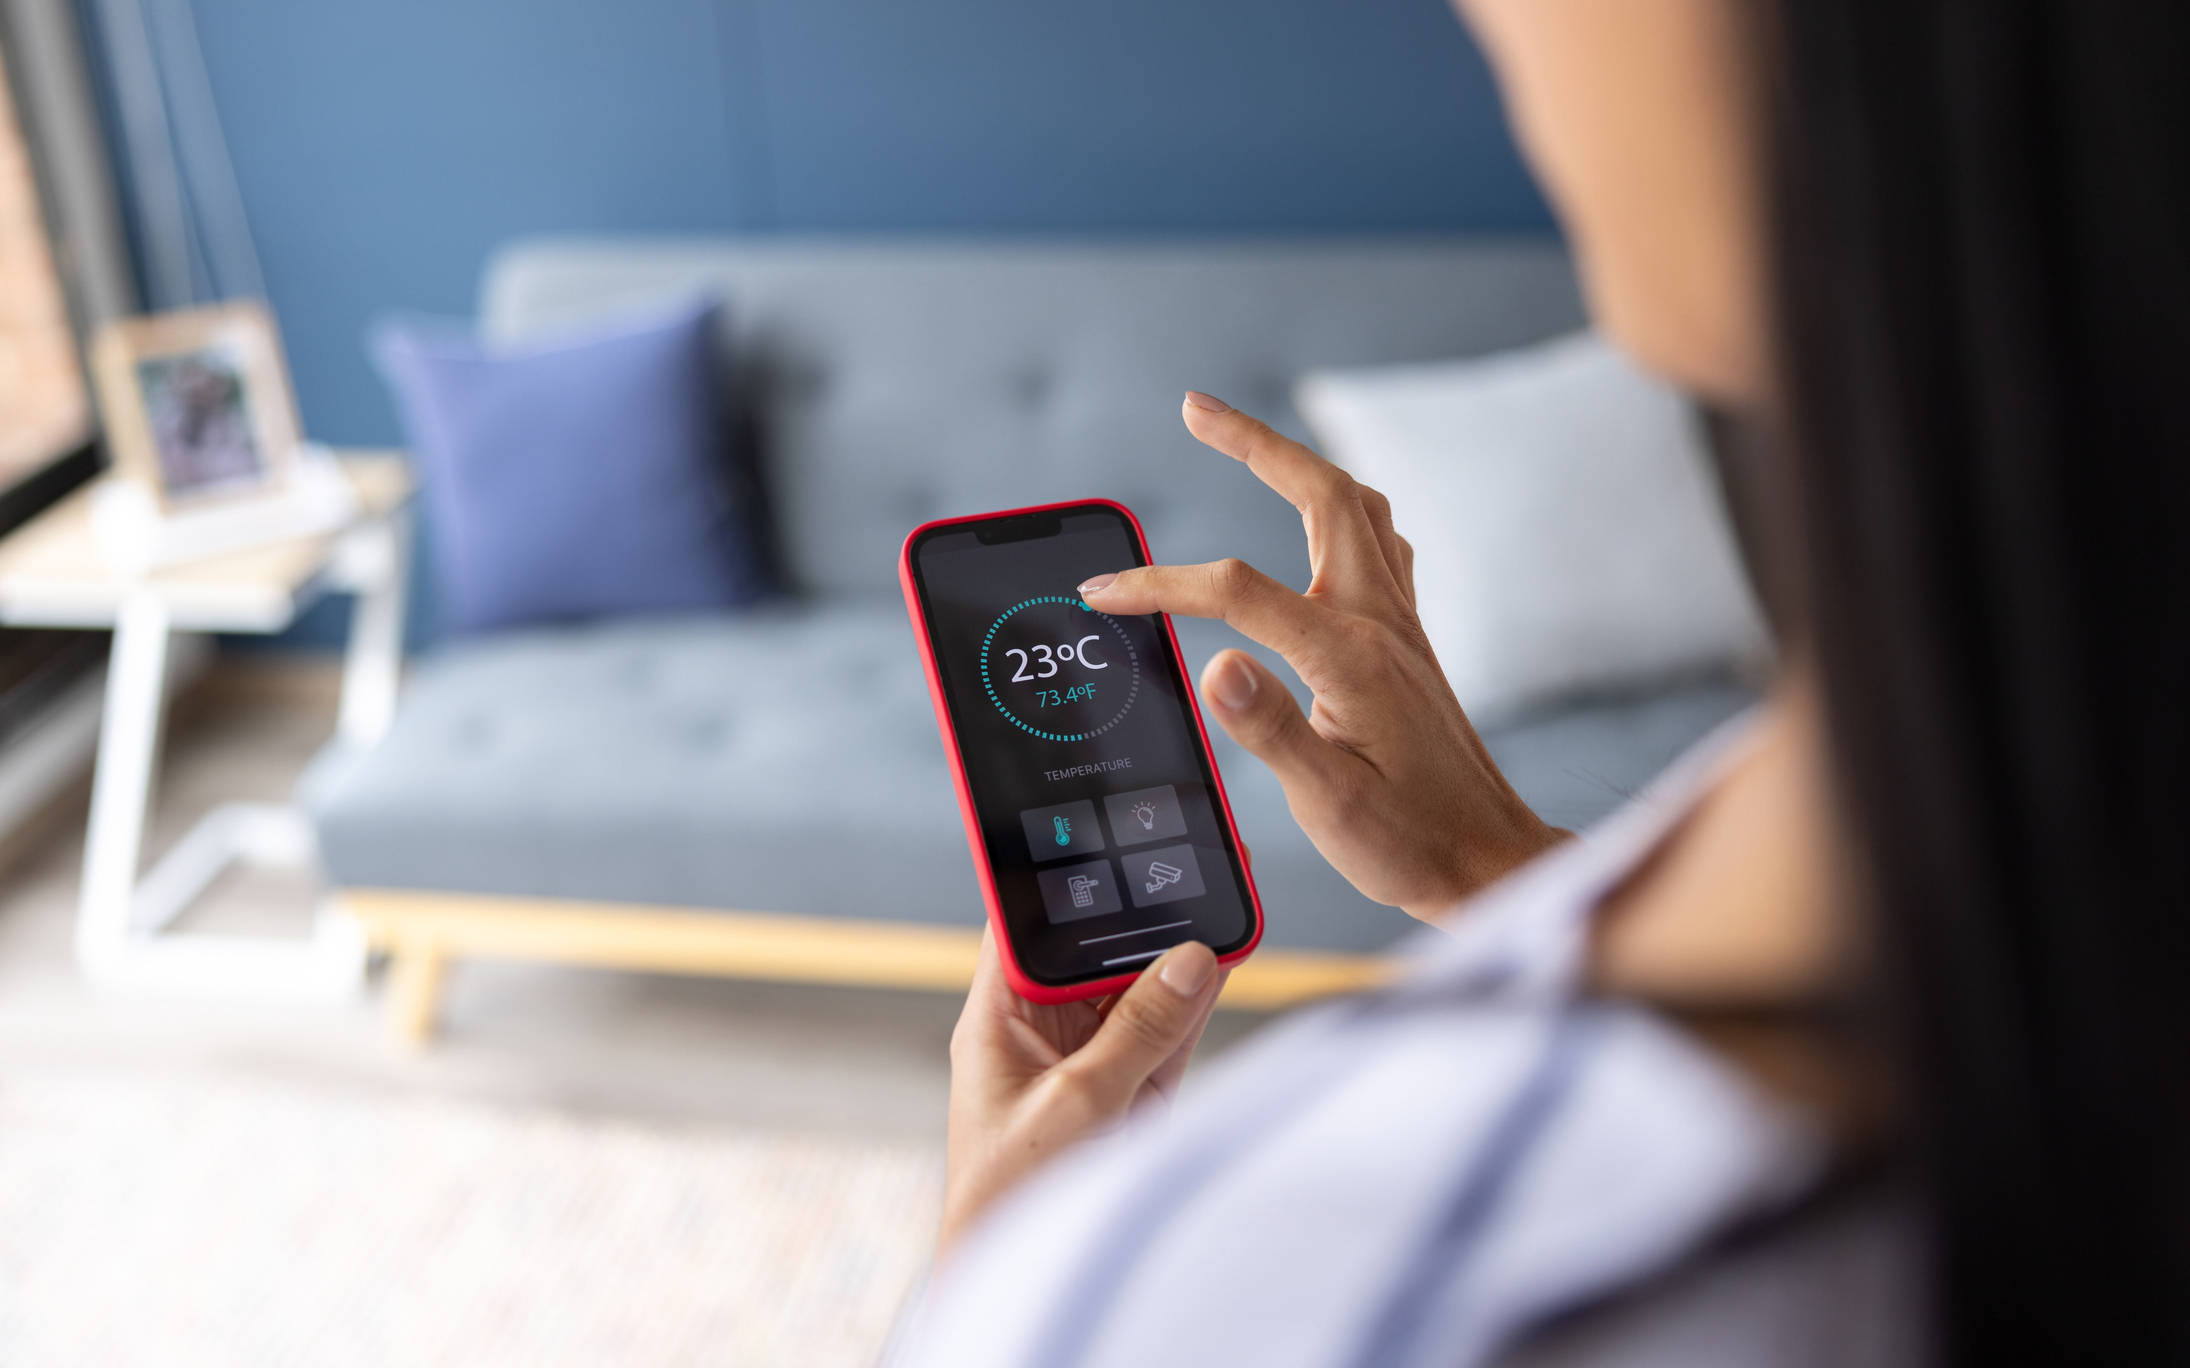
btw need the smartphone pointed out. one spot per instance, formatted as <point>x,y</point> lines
<point>1098,821</point>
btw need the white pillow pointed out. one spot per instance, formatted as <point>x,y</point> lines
<point>1567,531</point>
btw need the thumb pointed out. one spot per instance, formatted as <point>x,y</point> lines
<point>1256,709</point>
<point>1146,1026</point>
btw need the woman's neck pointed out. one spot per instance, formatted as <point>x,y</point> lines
<point>1736,925</point>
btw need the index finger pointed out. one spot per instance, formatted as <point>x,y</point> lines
<point>1230,591</point>
<point>1342,534</point>
<point>989,991</point>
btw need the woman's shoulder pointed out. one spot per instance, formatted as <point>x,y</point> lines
<point>1839,1282</point>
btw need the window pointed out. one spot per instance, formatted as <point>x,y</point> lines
<point>45,407</point>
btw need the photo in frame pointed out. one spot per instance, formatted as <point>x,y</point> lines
<point>197,403</point>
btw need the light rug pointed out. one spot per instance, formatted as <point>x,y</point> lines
<point>189,1219</point>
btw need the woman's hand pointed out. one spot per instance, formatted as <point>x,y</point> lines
<point>1384,773</point>
<point>1029,1080</point>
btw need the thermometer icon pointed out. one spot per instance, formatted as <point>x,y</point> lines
<point>1064,830</point>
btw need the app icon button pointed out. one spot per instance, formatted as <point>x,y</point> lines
<point>1066,829</point>
<point>1151,814</point>
<point>1080,890</point>
<point>1161,876</point>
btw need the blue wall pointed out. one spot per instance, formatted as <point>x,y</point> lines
<point>385,146</point>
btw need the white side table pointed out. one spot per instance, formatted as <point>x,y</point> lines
<point>51,575</point>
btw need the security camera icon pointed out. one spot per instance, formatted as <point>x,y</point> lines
<point>1162,876</point>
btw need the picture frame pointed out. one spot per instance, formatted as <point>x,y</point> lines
<point>197,403</point>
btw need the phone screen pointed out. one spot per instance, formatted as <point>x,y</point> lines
<point>1097,802</point>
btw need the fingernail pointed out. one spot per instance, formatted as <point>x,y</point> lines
<point>1234,685</point>
<point>1187,968</point>
<point>1098,584</point>
<point>1208,402</point>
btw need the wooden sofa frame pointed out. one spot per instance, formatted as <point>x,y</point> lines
<point>424,933</point>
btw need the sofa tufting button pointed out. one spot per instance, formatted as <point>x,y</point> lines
<point>1032,388</point>
<point>475,733</point>
<point>707,734</point>
<point>639,673</point>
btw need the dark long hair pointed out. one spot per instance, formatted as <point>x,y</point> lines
<point>1983,277</point>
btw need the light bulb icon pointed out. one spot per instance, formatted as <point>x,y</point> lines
<point>1145,814</point>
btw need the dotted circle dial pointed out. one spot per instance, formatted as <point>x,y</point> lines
<point>1059,608</point>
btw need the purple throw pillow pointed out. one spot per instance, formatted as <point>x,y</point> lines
<point>583,476</point>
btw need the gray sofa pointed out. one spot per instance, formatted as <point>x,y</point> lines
<point>786,760</point>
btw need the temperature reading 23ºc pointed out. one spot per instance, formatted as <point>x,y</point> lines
<point>1065,650</point>
<point>1048,656</point>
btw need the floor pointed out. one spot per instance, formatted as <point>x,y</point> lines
<point>771,1057</point>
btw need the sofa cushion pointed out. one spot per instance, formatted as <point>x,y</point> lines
<point>580,475</point>
<point>1567,533</point>
<point>781,761</point>
<point>786,760</point>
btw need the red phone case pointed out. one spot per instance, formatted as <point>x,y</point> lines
<point>1020,982</point>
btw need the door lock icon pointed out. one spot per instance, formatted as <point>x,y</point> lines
<point>1083,889</point>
